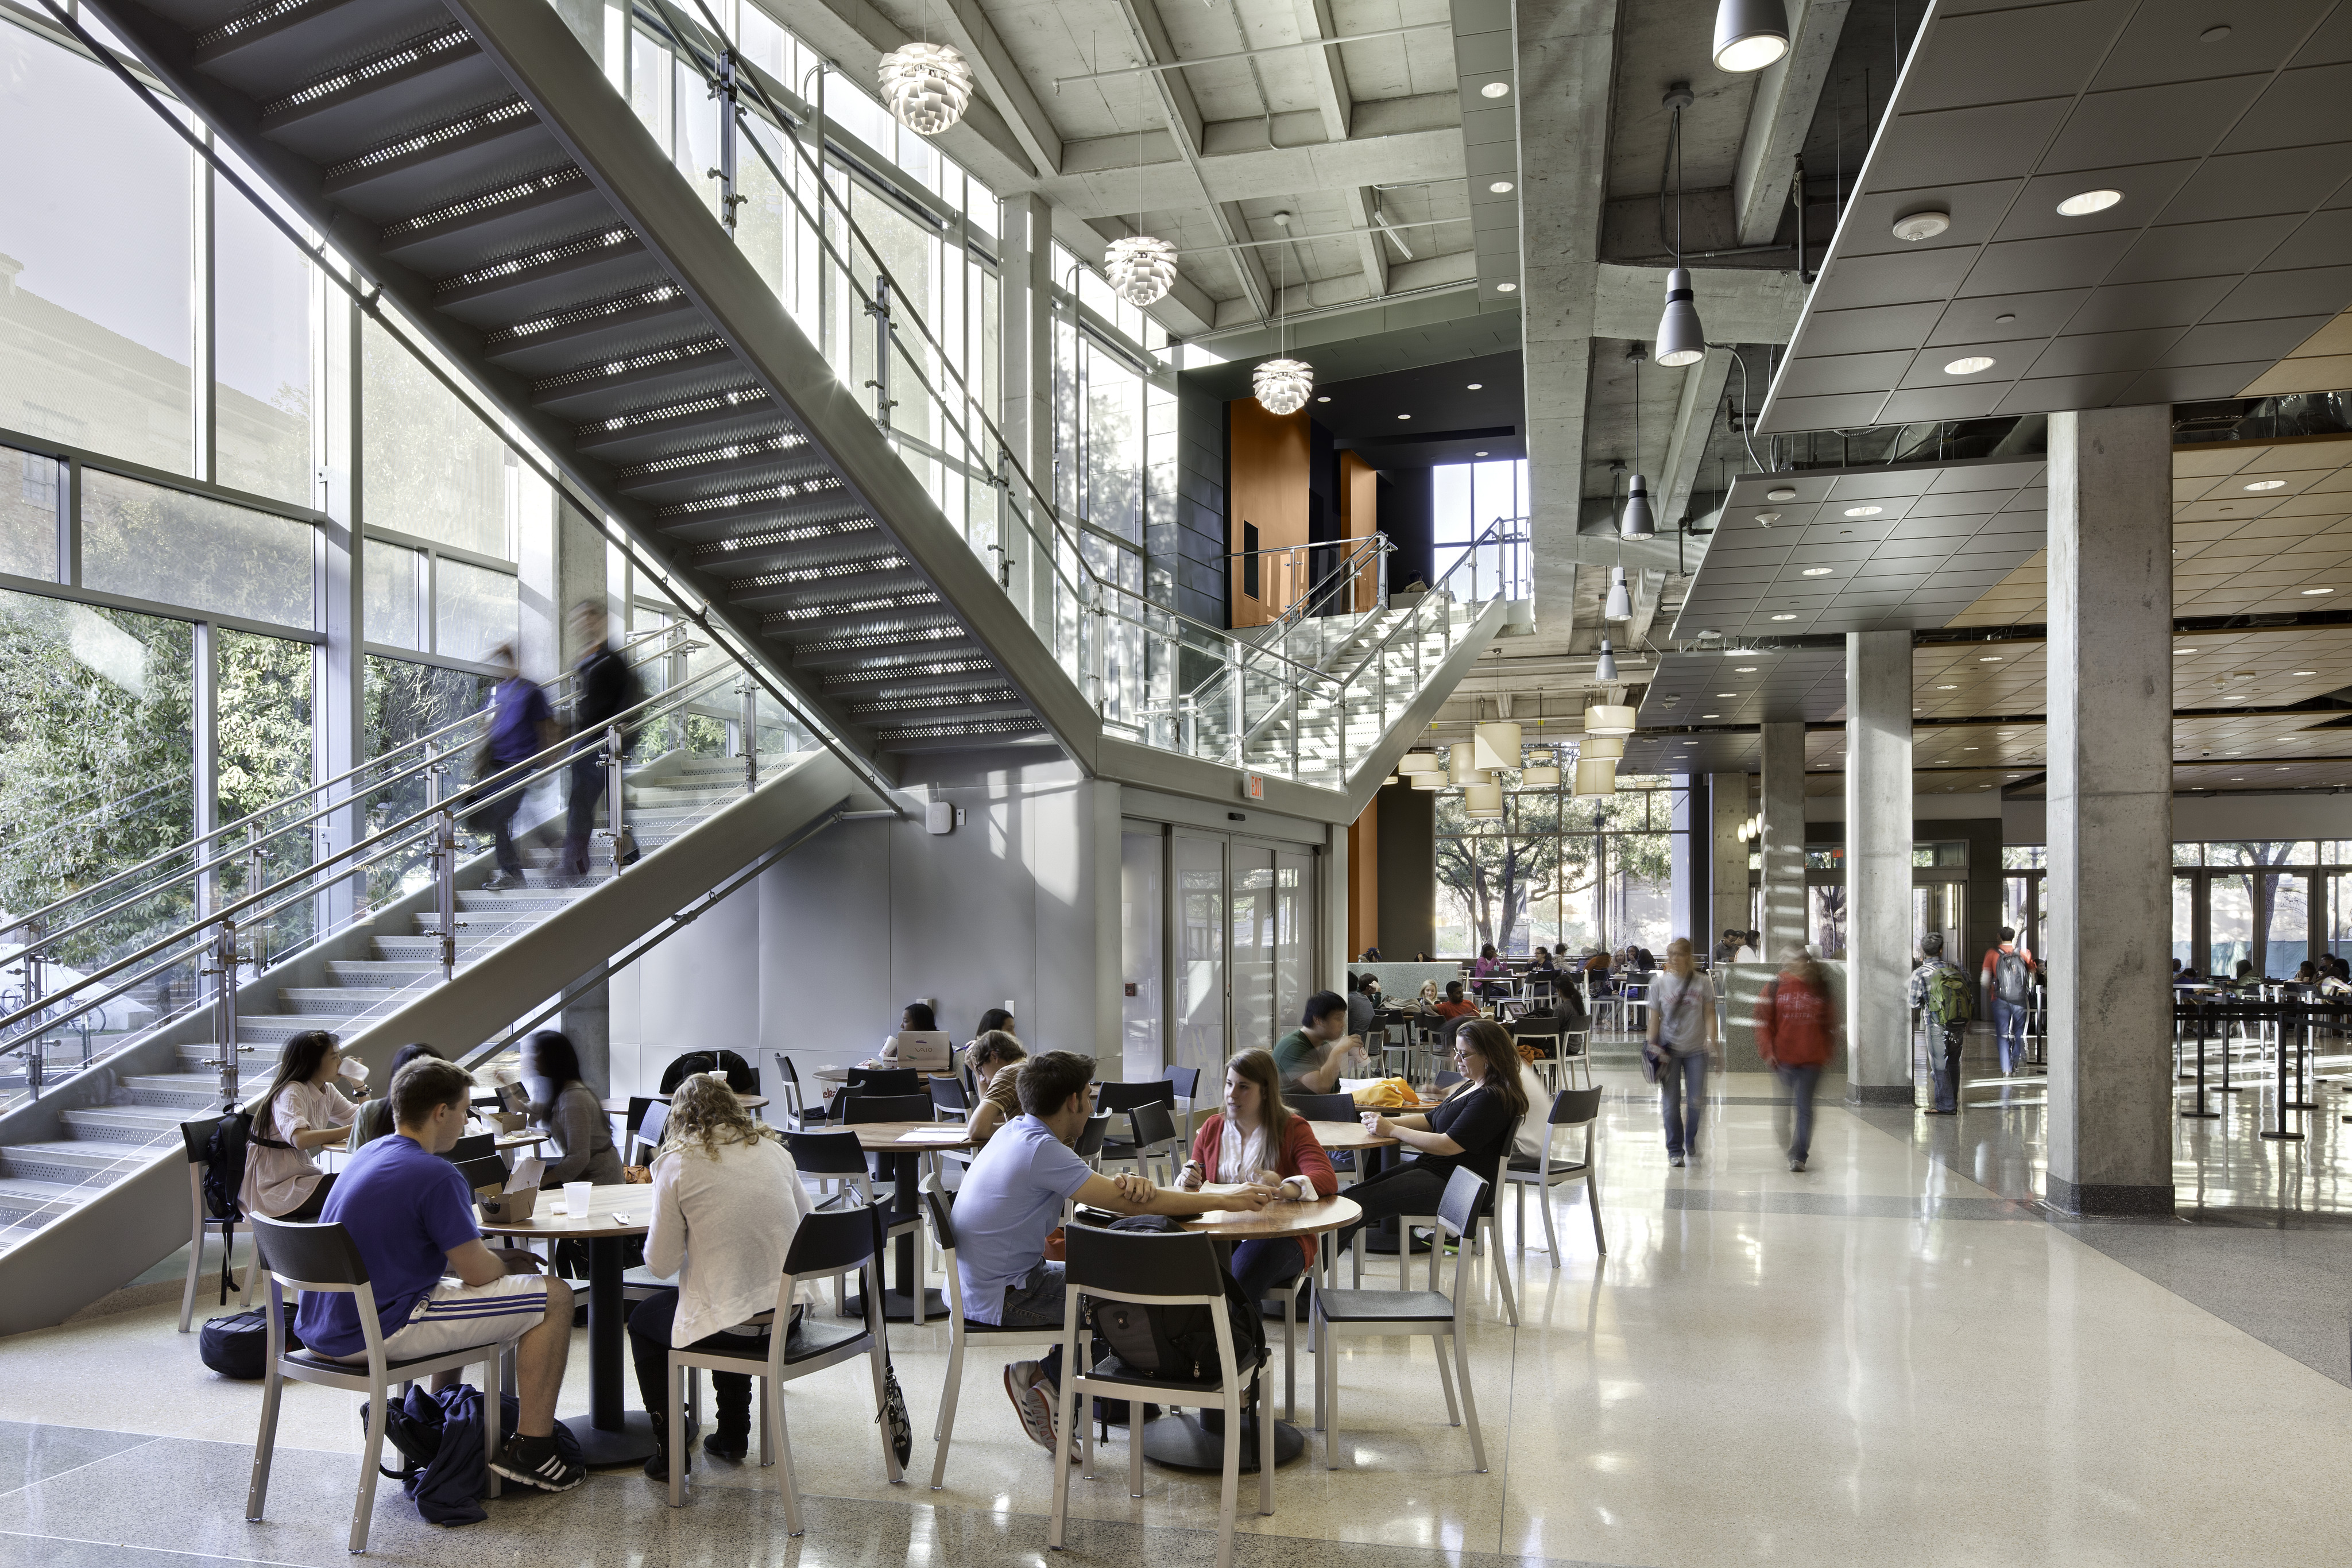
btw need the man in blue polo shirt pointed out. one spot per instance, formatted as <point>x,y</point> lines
<point>1010,1200</point>
<point>411,1215</point>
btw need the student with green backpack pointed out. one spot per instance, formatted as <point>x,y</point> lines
<point>1940,990</point>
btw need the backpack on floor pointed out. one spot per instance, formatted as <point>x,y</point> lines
<point>238,1344</point>
<point>1947,996</point>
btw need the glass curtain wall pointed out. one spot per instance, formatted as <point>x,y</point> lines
<point>1558,869</point>
<point>2272,905</point>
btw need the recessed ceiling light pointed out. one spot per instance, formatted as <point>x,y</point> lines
<point>2238,779</point>
<point>1743,670</point>
<point>1817,571</point>
<point>1948,688</point>
<point>2212,35</point>
<point>2083,203</point>
<point>1768,519</point>
<point>1917,226</point>
<point>1710,716</point>
<point>1863,511</point>
<point>1476,385</point>
<point>2267,485</point>
<point>2314,592</point>
<point>1784,618</point>
<point>2004,319</point>
<point>2302,672</point>
<point>1968,748</point>
<point>1500,187</point>
<point>1495,89</point>
<point>1969,365</point>
<point>1405,417</point>
<point>1989,659</point>
<point>1782,494</point>
<point>1477,454</point>
<point>1507,288</point>
<point>1727,694</point>
<point>2184,652</point>
<point>2235,698</point>
<point>2278,770</point>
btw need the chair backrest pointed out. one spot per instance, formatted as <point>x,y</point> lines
<point>1322,1107</point>
<point>1573,1107</point>
<point>195,1135</point>
<point>947,1096</point>
<point>1144,1263</point>
<point>473,1146</point>
<point>1090,1141</point>
<point>826,1153</point>
<point>886,1079</point>
<point>1465,1193</point>
<point>1184,1080</point>
<point>1120,1098</point>
<point>872,1107</point>
<point>636,1115</point>
<point>1153,1123</point>
<point>488,1171</point>
<point>316,1255</point>
<point>831,1242</point>
<point>1448,1078</point>
<point>656,1122</point>
<point>785,1072</point>
<point>943,1206</point>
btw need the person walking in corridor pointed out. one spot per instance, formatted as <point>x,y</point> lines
<point>1796,1031</point>
<point>1940,992</point>
<point>1682,1036</point>
<point>2008,981</point>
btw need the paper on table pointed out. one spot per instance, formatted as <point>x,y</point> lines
<point>946,1132</point>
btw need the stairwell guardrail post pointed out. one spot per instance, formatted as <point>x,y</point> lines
<point>880,311</point>
<point>223,972</point>
<point>723,88</point>
<point>444,887</point>
<point>749,726</point>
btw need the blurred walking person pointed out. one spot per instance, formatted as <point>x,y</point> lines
<point>1941,993</point>
<point>1682,1035</point>
<point>1796,1030</point>
<point>607,687</point>
<point>523,725</point>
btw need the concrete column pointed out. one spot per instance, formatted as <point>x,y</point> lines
<point>1726,795</point>
<point>1878,867</point>
<point>1026,368</point>
<point>2110,813</point>
<point>1784,838</point>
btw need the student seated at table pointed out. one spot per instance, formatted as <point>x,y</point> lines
<point>1455,1005</point>
<point>1010,1200</point>
<point>1471,1131</point>
<point>1256,1139</point>
<point>919,1042</point>
<point>569,1112</point>
<point>375,1115</point>
<point>1316,1055</point>
<point>1361,1007</point>
<point>304,1109</point>
<point>411,1216</point>
<point>727,1201</point>
<point>995,1060</point>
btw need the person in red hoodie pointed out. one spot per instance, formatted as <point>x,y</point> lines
<point>1255,1138</point>
<point>1796,1030</point>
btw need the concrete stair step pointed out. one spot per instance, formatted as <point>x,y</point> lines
<point>21,1199</point>
<point>123,1124</point>
<point>172,1090</point>
<point>525,900</point>
<point>376,973</point>
<point>65,1161</point>
<point>331,1001</point>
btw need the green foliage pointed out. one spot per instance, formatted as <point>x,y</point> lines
<point>1544,848</point>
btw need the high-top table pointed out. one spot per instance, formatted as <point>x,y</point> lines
<point>1197,1441</point>
<point>614,1435</point>
<point>904,1145</point>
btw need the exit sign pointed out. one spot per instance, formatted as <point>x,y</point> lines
<point>1252,786</point>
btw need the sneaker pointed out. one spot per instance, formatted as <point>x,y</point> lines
<point>1675,1160</point>
<point>1024,1389</point>
<point>502,882</point>
<point>1795,1163</point>
<point>535,1462</point>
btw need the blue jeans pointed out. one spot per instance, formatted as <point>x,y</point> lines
<point>1951,1037</point>
<point>2009,1017</point>
<point>1682,1094</point>
<point>1264,1266</point>
<point>1801,1081</point>
<point>1037,1301</point>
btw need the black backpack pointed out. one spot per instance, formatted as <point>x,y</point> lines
<point>238,1344</point>
<point>741,1075</point>
<point>1177,1343</point>
<point>2012,977</point>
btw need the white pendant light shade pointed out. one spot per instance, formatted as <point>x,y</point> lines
<point>1142,268</point>
<point>1621,603</point>
<point>1282,385</point>
<point>1539,776</point>
<point>1681,340</point>
<point>1605,670</point>
<point>1609,719</point>
<point>1483,800</point>
<point>1389,780</point>
<point>1430,781</point>
<point>1750,34</point>
<point>1595,775</point>
<point>1635,522</point>
<point>1421,762</point>
<point>1495,744</point>
<point>1608,746</point>
<point>925,86</point>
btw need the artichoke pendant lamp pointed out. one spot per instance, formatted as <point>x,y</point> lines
<point>1142,268</point>
<point>925,86</point>
<point>1681,340</point>
<point>1282,383</point>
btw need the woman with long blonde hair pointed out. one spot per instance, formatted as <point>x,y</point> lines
<point>727,1200</point>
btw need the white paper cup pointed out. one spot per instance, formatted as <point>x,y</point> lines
<point>576,1195</point>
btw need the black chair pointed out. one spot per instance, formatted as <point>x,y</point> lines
<point>485,1172</point>
<point>195,1135</point>
<point>949,1101</point>
<point>634,1116</point>
<point>654,1123</point>
<point>1570,1108</point>
<point>962,1331</point>
<point>297,1257</point>
<point>1155,1140</point>
<point>886,1079</point>
<point>1407,1312</point>
<point>1118,1099</point>
<point>1091,1139</point>
<point>788,1089</point>
<point>1156,1271</point>
<point>872,1107</point>
<point>828,1242</point>
<point>839,1159</point>
<point>474,1146</point>
<point>1328,1108</point>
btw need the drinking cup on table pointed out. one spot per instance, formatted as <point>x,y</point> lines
<point>577,1197</point>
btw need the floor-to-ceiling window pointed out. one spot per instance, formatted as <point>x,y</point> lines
<point>2269,904</point>
<point>1558,869</point>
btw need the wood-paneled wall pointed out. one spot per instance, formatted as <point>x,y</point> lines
<point>1268,459</point>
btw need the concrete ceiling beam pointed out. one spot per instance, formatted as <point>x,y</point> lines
<point>1787,91</point>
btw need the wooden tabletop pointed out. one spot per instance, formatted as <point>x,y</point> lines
<point>1349,1135</point>
<point>520,1140</point>
<point>1278,1218</point>
<point>618,1105</point>
<point>896,1137</point>
<point>624,1210</point>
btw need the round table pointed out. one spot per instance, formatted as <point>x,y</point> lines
<point>614,1435</point>
<point>904,1144</point>
<point>1197,1441</point>
<point>618,1104</point>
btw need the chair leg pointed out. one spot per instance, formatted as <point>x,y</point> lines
<point>1290,1353</point>
<point>493,1419</point>
<point>1469,1399</point>
<point>363,1511</point>
<point>1265,1446</point>
<point>1357,1259</point>
<point>1063,1416</point>
<point>768,1396</point>
<point>675,1404</point>
<point>196,1259</point>
<point>1500,1267</point>
<point>1593,1202</point>
<point>786,1480</point>
<point>1551,1236</point>
<point>1326,1383</point>
<point>1228,1492</point>
<point>265,1445</point>
<point>1519,1212</point>
<point>1135,1448</point>
<point>1445,1381</point>
<point>944,1427</point>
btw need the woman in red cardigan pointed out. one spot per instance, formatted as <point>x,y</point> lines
<point>1256,1139</point>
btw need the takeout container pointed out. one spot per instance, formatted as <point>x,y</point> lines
<point>509,1207</point>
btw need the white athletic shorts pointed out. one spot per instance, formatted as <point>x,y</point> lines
<point>455,1316</point>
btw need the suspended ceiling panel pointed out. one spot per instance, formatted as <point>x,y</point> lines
<point>1908,546</point>
<point>2222,129</point>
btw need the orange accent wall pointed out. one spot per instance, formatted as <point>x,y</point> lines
<point>1267,455</point>
<point>1364,880</point>
<point>1359,516</point>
